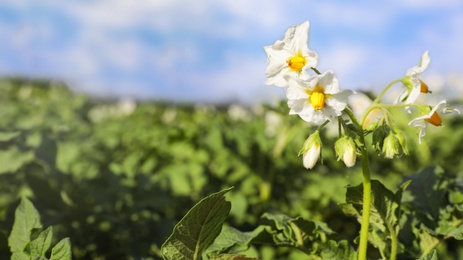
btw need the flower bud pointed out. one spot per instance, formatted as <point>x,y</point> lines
<point>346,150</point>
<point>402,141</point>
<point>311,150</point>
<point>391,146</point>
<point>378,136</point>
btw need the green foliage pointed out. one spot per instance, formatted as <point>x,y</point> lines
<point>198,229</point>
<point>117,181</point>
<point>24,242</point>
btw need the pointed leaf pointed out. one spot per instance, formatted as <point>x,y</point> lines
<point>233,257</point>
<point>40,245</point>
<point>230,238</point>
<point>427,241</point>
<point>341,250</point>
<point>62,250</point>
<point>431,256</point>
<point>280,222</point>
<point>20,256</point>
<point>198,228</point>
<point>25,221</point>
<point>457,233</point>
<point>310,227</point>
<point>429,191</point>
<point>13,159</point>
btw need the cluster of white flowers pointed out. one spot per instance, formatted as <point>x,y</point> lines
<point>414,87</point>
<point>317,99</point>
<point>314,98</point>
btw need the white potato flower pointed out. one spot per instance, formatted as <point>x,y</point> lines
<point>431,118</point>
<point>290,56</point>
<point>317,99</point>
<point>414,86</point>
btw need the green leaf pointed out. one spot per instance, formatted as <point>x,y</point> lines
<point>281,223</point>
<point>384,212</point>
<point>232,240</point>
<point>40,245</point>
<point>310,227</point>
<point>198,228</point>
<point>25,221</point>
<point>20,256</point>
<point>431,256</point>
<point>62,250</point>
<point>428,191</point>
<point>233,257</point>
<point>385,204</point>
<point>457,233</point>
<point>427,241</point>
<point>13,159</point>
<point>341,250</point>
<point>7,136</point>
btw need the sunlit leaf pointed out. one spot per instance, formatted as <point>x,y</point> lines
<point>26,220</point>
<point>62,250</point>
<point>13,159</point>
<point>7,136</point>
<point>198,228</point>
<point>338,250</point>
<point>40,245</point>
<point>233,257</point>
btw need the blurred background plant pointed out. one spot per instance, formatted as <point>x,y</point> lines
<point>115,176</point>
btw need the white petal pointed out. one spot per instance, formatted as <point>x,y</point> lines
<point>422,66</point>
<point>439,107</point>
<point>450,110</point>
<point>297,106</point>
<point>311,58</point>
<point>329,82</point>
<point>311,157</point>
<point>297,37</point>
<point>422,133</point>
<point>419,121</point>
<point>425,60</point>
<point>401,97</point>
<point>296,89</point>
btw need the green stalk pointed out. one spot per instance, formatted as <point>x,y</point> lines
<point>393,241</point>
<point>378,98</point>
<point>362,251</point>
<point>315,70</point>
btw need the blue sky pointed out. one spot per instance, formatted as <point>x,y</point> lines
<point>212,50</point>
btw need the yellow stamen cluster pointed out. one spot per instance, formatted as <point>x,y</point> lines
<point>434,119</point>
<point>317,97</point>
<point>424,87</point>
<point>297,62</point>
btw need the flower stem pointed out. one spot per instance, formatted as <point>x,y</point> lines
<point>315,70</point>
<point>393,235</point>
<point>362,251</point>
<point>378,98</point>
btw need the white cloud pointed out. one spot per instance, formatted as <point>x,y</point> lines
<point>369,16</point>
<point>430,4</point>
<point>182,44</point>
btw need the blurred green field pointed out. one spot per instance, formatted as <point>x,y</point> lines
<point>116,176</point>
